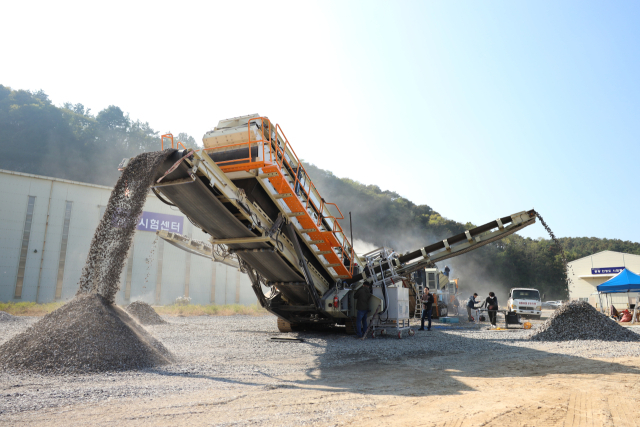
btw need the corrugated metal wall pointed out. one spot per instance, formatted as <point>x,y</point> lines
<point>52,266</point>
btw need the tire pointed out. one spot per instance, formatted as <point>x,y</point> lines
<point>284,326</point>
<point>444,311</point>
<point>399,334</point>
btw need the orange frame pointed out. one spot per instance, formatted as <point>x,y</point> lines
<point>278,158</point>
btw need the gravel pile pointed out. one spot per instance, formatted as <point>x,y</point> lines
<point>91,334</point>
<point>113,236</point>
<point>144,313</point>
<point>86,335</point>
<point>6,317</point>
<point>579,320</point>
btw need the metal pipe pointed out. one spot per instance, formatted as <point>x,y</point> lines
<point>351,228</point>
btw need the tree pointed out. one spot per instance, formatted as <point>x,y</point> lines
<point>112,118</point>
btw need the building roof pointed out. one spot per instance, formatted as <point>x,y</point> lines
<point>602,252</point>
<point>50,178</point>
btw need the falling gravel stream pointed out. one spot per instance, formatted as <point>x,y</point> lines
<point>114,234</point>
<point>563,255</point>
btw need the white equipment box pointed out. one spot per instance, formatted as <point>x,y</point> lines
<point>398,302</point>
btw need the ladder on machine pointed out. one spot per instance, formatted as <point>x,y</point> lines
<point>419,289</point>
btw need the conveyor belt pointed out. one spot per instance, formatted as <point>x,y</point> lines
<point>197,201</point>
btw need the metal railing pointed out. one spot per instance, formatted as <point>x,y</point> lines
<point>169,136</point>
<point>279,152</point>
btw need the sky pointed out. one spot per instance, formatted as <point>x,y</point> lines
<point>479,109</point>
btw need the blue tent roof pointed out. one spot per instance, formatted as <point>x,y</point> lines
<point>625,281</point>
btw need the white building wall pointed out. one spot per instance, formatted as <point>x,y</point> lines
<point>583,287</point>
<point>208,283</point>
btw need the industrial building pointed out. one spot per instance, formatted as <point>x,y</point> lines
<point>585,274</point>
<point>46,227</point>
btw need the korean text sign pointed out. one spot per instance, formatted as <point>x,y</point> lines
<point>607,270</point>
<point>152,221</point>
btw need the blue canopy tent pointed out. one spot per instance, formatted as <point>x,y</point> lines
<point>624,282</point>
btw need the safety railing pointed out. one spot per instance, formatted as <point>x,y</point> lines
<point>250,143</point>
<point>169,136</point>
<point>166,136</point>
<point>335,227</point>
<point>279,153</point>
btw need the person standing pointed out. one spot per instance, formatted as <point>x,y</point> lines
<point>492,307</point>
<point>471,305</point>
<point>362,297</point>
<point>446,270</point>
<point>427,306</point>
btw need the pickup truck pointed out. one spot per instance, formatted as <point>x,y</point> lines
<point>525,302</point>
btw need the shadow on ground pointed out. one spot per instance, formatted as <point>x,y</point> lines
<point>436,363</point>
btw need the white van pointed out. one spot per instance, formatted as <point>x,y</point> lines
<point>525,302</point>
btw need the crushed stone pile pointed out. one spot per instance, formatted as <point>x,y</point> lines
<point>6,317</point>
<point>86,335</point>
<point>144,313</point>
<point>579,320</point>
<point>90,333</point>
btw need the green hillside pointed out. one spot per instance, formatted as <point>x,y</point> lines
<point>70,142</point>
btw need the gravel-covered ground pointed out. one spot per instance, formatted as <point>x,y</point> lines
<point>235,353</point>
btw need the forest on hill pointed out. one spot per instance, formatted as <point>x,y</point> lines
<point>70,142</point>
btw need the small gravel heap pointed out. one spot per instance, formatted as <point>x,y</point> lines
<point>6,317</point>
<point>86,335</point>
<point>579,320</point>
<point>144,313</point>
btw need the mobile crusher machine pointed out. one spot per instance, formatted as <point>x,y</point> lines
<point>248,190</point>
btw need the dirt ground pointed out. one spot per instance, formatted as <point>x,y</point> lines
<point>550,392</point>
<point>547,389</point>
